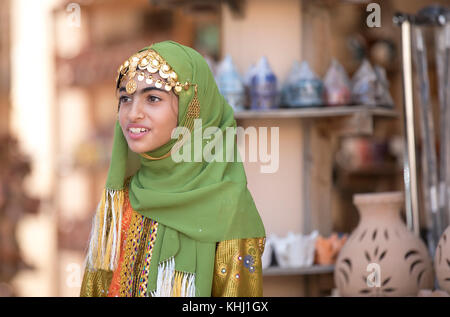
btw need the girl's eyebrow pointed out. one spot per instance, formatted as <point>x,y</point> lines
<point>144,90</point>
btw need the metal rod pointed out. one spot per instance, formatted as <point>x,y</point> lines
<point>430,180</point>
<point>433,15</point>
<point>412,215</point>
<point>442,61</point>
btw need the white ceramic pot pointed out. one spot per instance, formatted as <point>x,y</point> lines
<point>295,250</point>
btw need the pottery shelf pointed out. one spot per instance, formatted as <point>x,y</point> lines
<point>320,130</point>
<point>374,169</point>
<point>316,112</point>
<point>309,270</point>
<point>340,120</point>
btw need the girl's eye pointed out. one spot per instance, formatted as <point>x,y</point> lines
<point>123,99</point>
<point>153,98</point>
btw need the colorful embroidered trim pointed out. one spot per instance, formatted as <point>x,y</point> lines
<point>138,249</point>
<point>131,248</point>
<point>144,258</point>
<point>114,288</point>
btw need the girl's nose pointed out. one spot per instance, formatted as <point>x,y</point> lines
<point>136,111</point>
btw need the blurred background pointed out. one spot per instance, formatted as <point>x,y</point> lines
<point>58,62</point>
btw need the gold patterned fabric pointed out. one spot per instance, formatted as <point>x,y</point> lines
<point>95,283</point>
<point>238,268</point>
<point>237,272</point>
<point>137,257</point>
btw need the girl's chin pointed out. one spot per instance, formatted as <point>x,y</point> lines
<point>138,147</point>
<point>140,150</point>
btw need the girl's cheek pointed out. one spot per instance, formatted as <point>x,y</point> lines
<point>121,118</point>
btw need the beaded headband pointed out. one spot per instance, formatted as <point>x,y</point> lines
<point>151,61</point>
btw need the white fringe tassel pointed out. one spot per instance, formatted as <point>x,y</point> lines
<point>102,240</point>
<point>166,278</point>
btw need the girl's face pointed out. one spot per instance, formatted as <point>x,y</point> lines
<point>148,116</point>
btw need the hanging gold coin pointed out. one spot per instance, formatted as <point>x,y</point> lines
<point>163,74</point>
<point>151,69</point>
<point>131,86</point>
<point>174,76</point>
<point>143,64</point>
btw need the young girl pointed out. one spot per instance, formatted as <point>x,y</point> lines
<point>172,228</point>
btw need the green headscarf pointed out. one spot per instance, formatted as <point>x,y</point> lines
<point>196,204</point>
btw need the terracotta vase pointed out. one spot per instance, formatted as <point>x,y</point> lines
<point>382,257</point>
<point>442,261</point>
<point>327,249</point>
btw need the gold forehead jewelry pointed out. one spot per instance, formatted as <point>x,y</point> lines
<point>151,61</point>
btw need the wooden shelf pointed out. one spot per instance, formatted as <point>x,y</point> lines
<point>385,169</point>
<point>316,112</point>
<point>310,270</point>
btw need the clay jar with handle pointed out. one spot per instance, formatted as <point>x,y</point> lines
<point>382,257</point>
<point>442,261</point>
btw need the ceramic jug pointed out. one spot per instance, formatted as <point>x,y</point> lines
<point>382,257</point>
<point>442,261</point>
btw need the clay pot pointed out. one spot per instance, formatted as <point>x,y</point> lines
<point>442,261</point>
<point>382,257</point>
<point>327,249</point>
<point>430,293</point>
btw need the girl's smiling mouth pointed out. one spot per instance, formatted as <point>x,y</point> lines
<point>137,131</point>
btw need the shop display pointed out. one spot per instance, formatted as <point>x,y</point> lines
<point>15,204</point>
<point>442,261</point>
<point>370,86</point>
<point>337,85</point>
<point>442,41</point>
<point>382,257</point>
<point>327,249</point>
<point>266,258</point>
<point>263,88</point>
<point>364,85</point>
<point>294,250</point>
<point>303,88</point>
<point>249,74</point>
<point>258,88</point>
<point>430,293</point>
<point>362,153</point>
<point>435,186</point>
<point>247,84</point>
<point>383,95</point>
<point>429,159</point>
<point>383,52</point>
<point>230,83</point>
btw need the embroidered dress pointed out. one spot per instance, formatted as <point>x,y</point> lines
<point>237,268</point>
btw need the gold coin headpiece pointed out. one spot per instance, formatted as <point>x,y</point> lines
<point>151,61</point>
